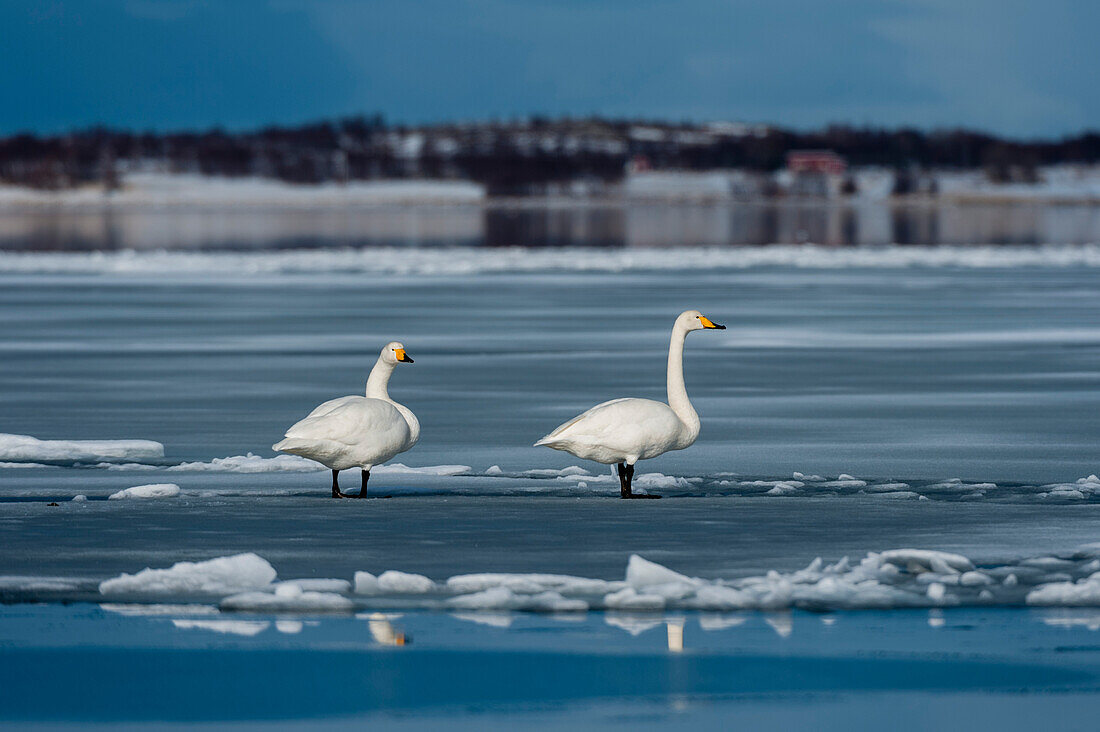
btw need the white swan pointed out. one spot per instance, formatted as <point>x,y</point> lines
<point>624,431</point>
<point>361,431</point>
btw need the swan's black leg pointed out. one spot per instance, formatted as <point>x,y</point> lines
<point>626,477</point>
<point>336,485</point>
<point>366,477</point>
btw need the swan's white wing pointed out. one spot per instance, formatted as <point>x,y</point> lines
<point>561,429</point>
<point>349,431</point>
<point>326,407</point>
<point>621,429</point>
<point>349,420</point>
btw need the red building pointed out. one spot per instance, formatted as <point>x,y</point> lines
<point>816,161</point>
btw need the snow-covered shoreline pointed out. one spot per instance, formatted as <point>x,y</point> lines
<point>157,190</point>
<point>1066,184</point>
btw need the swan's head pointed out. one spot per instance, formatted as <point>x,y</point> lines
<point>394,353</point>
<point>695,320</point>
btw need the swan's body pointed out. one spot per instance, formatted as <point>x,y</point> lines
<point>357,431</point>
<point>624,431</point>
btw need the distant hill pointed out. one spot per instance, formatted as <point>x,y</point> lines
<point>509,158</point>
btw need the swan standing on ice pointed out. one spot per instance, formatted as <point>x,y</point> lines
<point>624,431</point>
<point>361,431</point>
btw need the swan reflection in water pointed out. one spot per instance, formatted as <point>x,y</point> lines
<point>383,631</point>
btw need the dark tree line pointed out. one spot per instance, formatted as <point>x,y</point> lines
<point>508,157</point>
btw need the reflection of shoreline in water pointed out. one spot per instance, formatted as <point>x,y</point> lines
<point>605,224</point>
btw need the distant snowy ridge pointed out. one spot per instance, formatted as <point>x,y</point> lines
<point>463,261</point>
<point>897,578</point>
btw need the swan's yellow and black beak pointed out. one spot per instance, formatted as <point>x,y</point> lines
<point>708,323</point>
<point>402,356</point>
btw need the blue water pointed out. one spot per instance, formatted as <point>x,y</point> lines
<point>80,665</point>
<point>911,374</point>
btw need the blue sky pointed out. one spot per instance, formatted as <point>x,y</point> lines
<point>1023,69</point>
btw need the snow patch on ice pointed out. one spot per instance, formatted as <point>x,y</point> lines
<point>252,463</point>
<point>152,490</point>
<point>401,469</point>
<point>25,448</point>
<point>556,473</point>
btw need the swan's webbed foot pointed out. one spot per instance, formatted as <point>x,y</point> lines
<point>641,495</point>
<point>363,490</point>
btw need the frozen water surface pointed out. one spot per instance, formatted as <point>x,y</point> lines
<point>929,414</point>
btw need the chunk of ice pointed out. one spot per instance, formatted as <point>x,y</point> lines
<point>925,560</point>
<point>404,583</point>
<point>218,576</point>
<point>644,573</point>
<point>24,448</point>
<point>283,601</point>
<point>251,463</point>
<point>152,490</point>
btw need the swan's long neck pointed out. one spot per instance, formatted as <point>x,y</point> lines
<point>677,391</point>
<point>377,384</point>
<point>379,380</point>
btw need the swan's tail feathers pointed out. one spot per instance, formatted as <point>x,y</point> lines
<point>555,437</point>
<point>554,442</point>
<point>290,445</point>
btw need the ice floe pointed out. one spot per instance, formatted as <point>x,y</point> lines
<point>287,598</point>
<point>1067,593</point>
<point>896,578</point>
<point>317,585</point>
<point>218,576</point>
<point>152,490</point>
<point>392,582</point>
<point>25,448</point>
<point>22,583</point>
<point>402,469</point>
